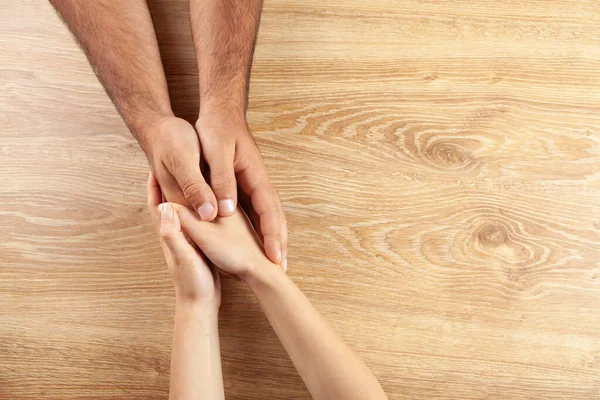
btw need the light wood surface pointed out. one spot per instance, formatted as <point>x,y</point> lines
<point>439,164</point>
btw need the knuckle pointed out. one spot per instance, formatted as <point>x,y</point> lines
<point>272,200</point>
<point>215,148</point>
<point>185,263</point>
<point>270,223</point>
<point>165,235</point>
<point>264,206</point>
<point>211,150</point>
<point>275,214</point>
<point>250,159</point>
<point>224,182</point>
<point>257,169</point>
<point>179,162</point>
<point>193,191</point>
<point>173,165</point>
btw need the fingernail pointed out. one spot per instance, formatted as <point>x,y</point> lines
<point>166,212</point>
<point>284,265</point>
<point>279,255</point>
<point>205,210</point>
<point>226,206</point>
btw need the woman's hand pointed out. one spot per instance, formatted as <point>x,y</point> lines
<point>195,282</point>
<point>230,243</point>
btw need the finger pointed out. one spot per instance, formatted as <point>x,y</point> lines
<point>265,205</point>
<point>222,182</point>
<point>283,231</point>
<point>272,245</point>
<point>255,221</point>
<point>168,186</point>
<point>181,252</point>
<point>195,189</point>
<point>154,198</point>
<point>246,205</point>
<point>284,237</point>
<point>265,202</point>
<point>193,226</point>
<point>225,190</point>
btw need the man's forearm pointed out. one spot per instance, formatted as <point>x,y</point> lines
<point>328,367</point>
<point>196,359</point>
<point>119,40</point>
<point>224,35</point>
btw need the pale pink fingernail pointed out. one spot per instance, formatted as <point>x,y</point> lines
<point>205,210</point>
<point>166,212</point>
<point>226,206</point>
<point>284,265</point>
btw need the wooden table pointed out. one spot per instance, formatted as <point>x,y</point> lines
<point>439,164</point>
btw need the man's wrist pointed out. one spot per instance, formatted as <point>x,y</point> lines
<point>145,128</point>
<point>233,111</point>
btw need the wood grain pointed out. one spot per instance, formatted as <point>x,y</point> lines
<point>439,163</point>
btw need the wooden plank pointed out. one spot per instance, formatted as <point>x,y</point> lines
<point>439,164</point>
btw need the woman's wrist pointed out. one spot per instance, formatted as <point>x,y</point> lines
<point>262,275</point>
<point>197,309</point>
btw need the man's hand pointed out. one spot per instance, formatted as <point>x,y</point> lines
<point>174,152</point>
<point>231,153</point>
<point>224,34</point>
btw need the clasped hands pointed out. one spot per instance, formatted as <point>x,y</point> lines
<point>224,146</point>
<point>230,243</point>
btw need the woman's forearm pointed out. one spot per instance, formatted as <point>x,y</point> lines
<point>329,368</point>
<point>196,360</point>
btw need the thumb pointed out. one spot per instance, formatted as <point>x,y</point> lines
<point>172,239</point>
<point>195,189</point>
<point>203,233</point>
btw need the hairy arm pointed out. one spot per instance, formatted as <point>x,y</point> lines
<point>119,40</point>
<point>224,36</point>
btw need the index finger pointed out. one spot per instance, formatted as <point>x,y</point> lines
<point>266,205</point>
